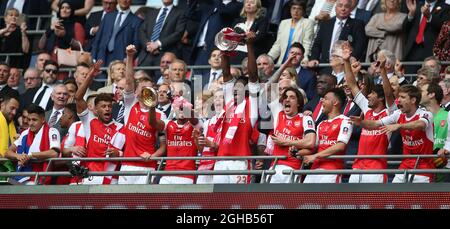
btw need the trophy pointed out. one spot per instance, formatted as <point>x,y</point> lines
<point>228,38</point>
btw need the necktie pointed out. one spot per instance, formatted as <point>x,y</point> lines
<point>52,120</point>
<point>41,94</point>
<point>347,107</point>
<point>158,26</point>
<point>316,111</point>
<point>214,75</point>
<point>121,112</point>
<point>11,4</point>
<point>423,24</point>
<point>115,31</point>
<point>338,33</point>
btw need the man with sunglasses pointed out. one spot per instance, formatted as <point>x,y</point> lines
<point>42,95</point>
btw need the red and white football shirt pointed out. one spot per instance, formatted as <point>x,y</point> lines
<point>180,143</point>
<point>330,132</point>
<point>371,142</point>
<point>414,141</point>
<point>292,129</point>
<point>98,135</point>
<point>140,136</point>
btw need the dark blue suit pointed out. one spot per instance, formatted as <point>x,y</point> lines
<point>353,32</point>
<point>127,34</point>
<point>218,16</point>
<point>307,81</point>
<point>363,15</point>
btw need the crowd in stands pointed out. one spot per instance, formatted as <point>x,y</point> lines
<point>279,101</point>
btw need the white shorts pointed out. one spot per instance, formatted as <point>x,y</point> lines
<point>175,180</point>
<point>325,178</point>
<point>205,179</point>
<point>367,178</point>
<point>134,179</point>
<point>400,178</point>
<point>231,179</point>
<point>279,177</point>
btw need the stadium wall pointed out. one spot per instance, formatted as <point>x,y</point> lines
<point>252,196</point>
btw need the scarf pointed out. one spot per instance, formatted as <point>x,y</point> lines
<point>24,148</point>
<point>237,113</point>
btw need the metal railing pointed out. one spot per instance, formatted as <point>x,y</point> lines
<point>148,173</point>
<point>39,20</point>
<point>405,172</point>
<point>265,174</point>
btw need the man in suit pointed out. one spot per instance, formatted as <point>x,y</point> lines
<point>59,96</point>
<point>95,18</point>
<point>325,82</point>
<point>265,66</point>
<point>360,14</point>
<point>14,80</point>
<point>31,78</point>
<point>166,59</point>
<point>213,16</point>
<point>160,32</point>
<point>43,94</point>
<point>212,74</point>
<point>80,75</point>
<point>40,60</point>
<point>33,82</point>
<point>164,99</point>
<point>116,31</point>
<point>306,80</point>
<point>389,66</point>
<point>337,63</point>
<point>373,6</point>
<point>4,88</point>
<point>422,27</point>
<point>118,109</point>
<point>341,27</point>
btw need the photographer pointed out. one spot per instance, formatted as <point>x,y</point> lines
<point>62,32</point>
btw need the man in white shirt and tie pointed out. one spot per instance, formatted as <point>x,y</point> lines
<point>161,32</point>
<point>42,96</point>
<point>95,18</point>
<point>59,96</point>
<point>208,77</point>
<point>337,63</point>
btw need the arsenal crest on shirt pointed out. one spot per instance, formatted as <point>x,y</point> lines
<point>142,118</point>
<point>345,130</point>
<point>310,124</point>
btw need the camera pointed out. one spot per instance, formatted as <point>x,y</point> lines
<point>78,170</point>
